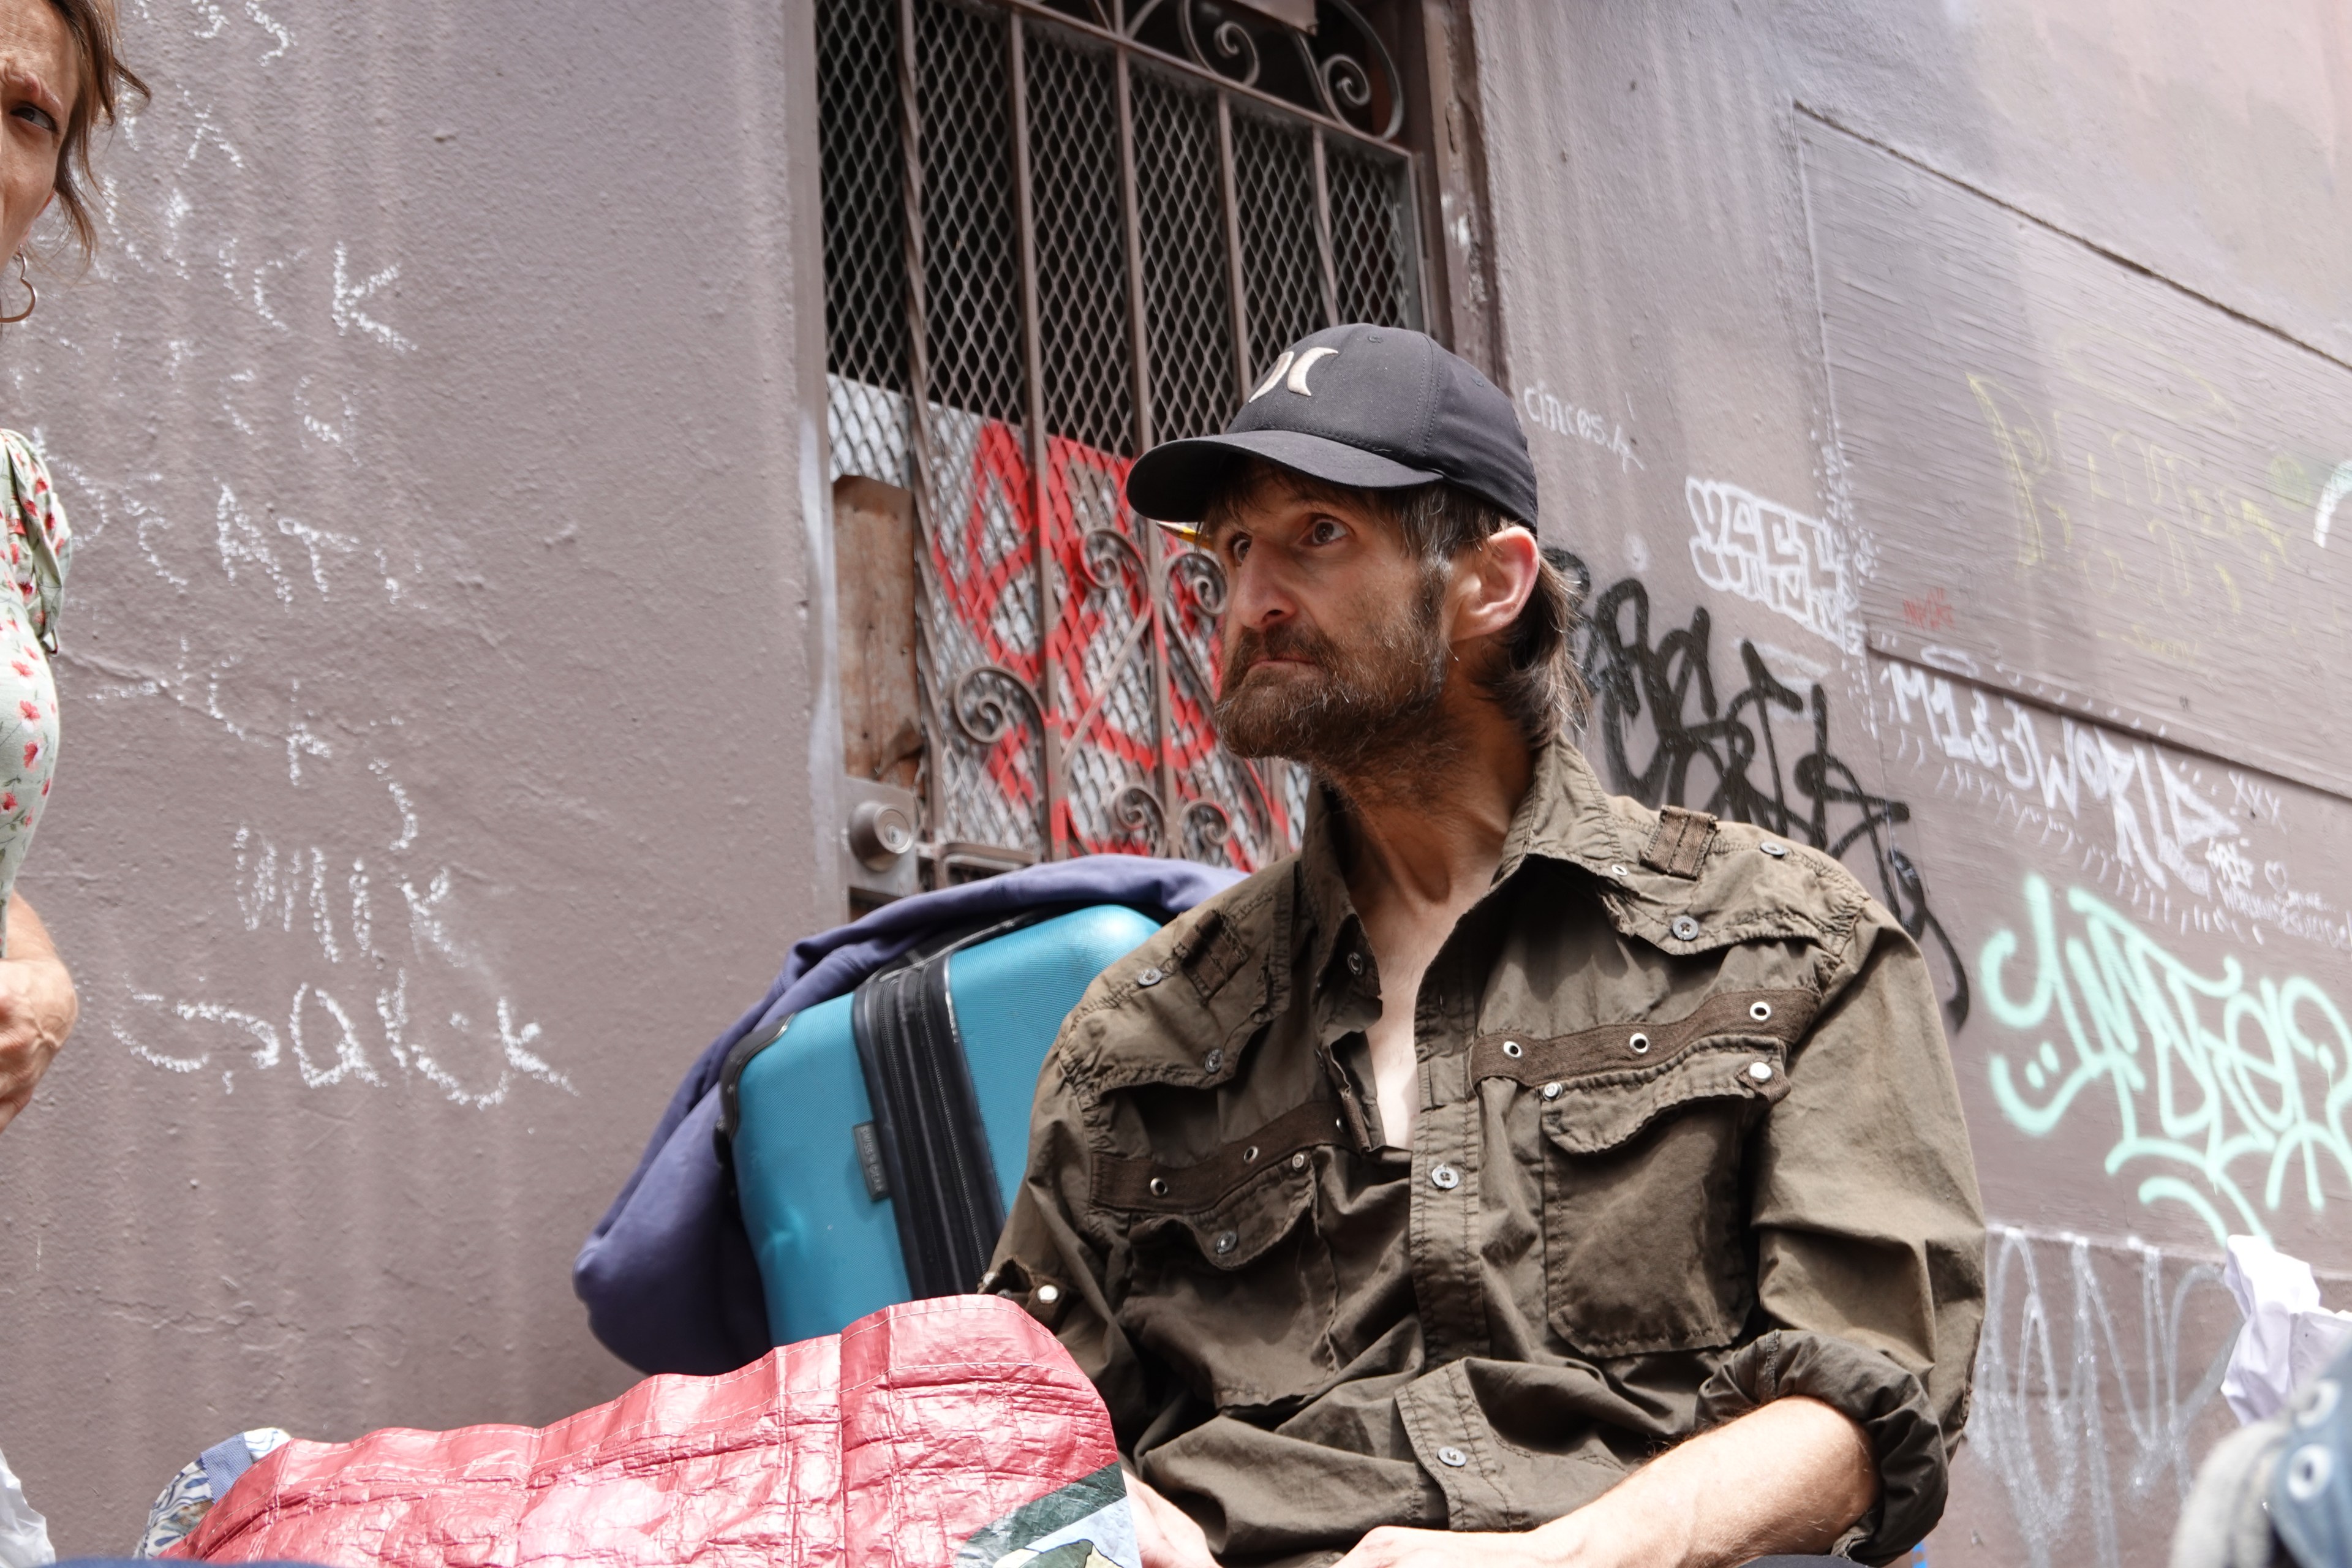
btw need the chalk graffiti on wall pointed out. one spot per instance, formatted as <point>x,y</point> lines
<point>2078,1408</point>
<point>1792,564</point>
<point>2145,486</point>
<point>2205,519</point>
<point>2192,850</point>
<point>2231,1093</point>
<point>1759,755</point>
<point>384,985</point>
<point>272,526</point>
<point>1566,417</point>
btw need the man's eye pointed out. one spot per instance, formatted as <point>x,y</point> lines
<point>1326,532</point>
<point>33,115</point>
<point>1238,546</point>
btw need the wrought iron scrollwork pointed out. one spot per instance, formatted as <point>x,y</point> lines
<point>1351,78</point>
<point>1231,39</point>
<point>1194,612</point>
<point>1344,79</point>
<point>1106,552</point>
<point>1198,570</point>
<point>979,703</point>
<point>1139,811</point>
<point>1210,823</point>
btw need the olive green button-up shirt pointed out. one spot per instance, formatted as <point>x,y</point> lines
<point>1688,1140</point>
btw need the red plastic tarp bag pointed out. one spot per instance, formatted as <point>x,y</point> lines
<point>954,1431</point>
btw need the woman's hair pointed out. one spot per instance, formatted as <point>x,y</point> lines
<point>1534,680</point>
<point>103,82</point>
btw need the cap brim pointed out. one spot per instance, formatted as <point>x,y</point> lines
<point>1175,481</point>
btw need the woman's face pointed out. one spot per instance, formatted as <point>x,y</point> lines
<point>37,92</point>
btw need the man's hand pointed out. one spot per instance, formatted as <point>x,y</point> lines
<point>1792,1475</point>
<point>1165,1535</point>
<point>37,1008</point>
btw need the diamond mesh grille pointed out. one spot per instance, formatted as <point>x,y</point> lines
<point>1372,236</point>
<point>861,175</point>
<point>1187,310</point>
<point>971,276</point>
<point>1081,253</point>
<point>1282,267</point>
<point>1120,636</point>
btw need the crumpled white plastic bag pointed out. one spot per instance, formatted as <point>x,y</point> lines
<point>2288,1335</point>
<point>24,1535</point>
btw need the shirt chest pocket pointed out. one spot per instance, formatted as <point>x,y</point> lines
<point>1644,1138</point>
<point>1229,1282</point>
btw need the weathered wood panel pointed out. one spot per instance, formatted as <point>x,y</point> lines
<point>2079,482</point>
<point>873,557</point>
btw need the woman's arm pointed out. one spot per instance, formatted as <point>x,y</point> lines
<point>37,1007</point>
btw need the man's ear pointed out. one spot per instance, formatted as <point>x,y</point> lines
<point>1492,583</point>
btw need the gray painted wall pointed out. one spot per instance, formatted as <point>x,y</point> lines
<point>440,643</point>
<point>448,637</point>
<point>1971,363</point>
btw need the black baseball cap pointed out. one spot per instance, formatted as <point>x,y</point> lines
<point>1370,407</point>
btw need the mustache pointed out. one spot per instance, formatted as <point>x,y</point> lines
<point>1252,647</point>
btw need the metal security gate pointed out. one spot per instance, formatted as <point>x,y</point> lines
<point>1056,234</point>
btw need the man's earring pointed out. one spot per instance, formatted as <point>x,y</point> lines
<point>32,295</point>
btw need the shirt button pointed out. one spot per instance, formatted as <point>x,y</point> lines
<point>1226,1241</point>
<point>1452,1457</point>
<point>1444,1178</point>
<point>1551,1091</point>
<point>1299,1162</point>
<point>1214,1061</point>
<point>1760,1071</point>
<point>1355,963</point>
<point>1775,850</point>
<point>1048,1294</point>
<point>1686,929</point>
<point>1149,977</point>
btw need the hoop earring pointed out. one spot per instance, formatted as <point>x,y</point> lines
<point>32,295</point>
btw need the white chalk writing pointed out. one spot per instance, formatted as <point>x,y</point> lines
<point>2160,828</point>
<point>1546,412</point>
<point>2067,1395</point>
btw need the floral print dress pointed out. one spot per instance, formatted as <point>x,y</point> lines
<point>39,547</point>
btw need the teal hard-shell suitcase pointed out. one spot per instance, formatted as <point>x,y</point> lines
<point>877,1139</point>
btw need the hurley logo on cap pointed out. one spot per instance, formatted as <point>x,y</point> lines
<point>1291,370</point>
<point>1406,412</point>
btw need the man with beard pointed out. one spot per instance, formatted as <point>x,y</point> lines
<point>1517,1173</point>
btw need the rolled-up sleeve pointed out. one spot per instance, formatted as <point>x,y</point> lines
<point>1870,1235</point>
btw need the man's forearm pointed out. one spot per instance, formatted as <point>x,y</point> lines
<point>1792,1475</point>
